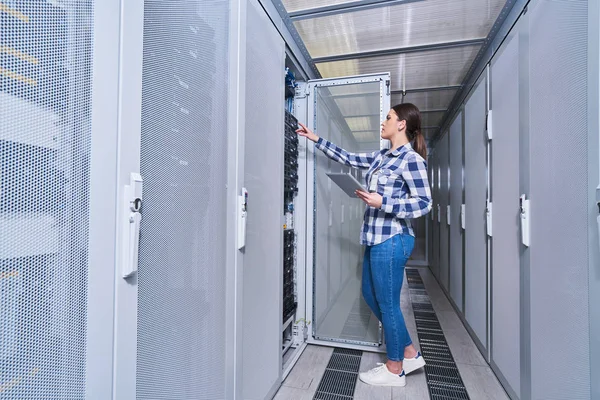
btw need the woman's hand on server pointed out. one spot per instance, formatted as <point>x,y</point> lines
<point>307,133</point>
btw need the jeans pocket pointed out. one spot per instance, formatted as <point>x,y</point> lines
<point>408,243</point>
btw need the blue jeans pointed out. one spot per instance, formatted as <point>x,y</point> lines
<point>383,273</point>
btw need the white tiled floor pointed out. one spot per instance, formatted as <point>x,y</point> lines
<point>480,381</point>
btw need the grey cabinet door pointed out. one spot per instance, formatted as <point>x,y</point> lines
<point>506,294</point>
<point>456,194</point>
<point>262,284</point>
<point>559,193</point>
<point>476,282</point>
<point>443,196</point>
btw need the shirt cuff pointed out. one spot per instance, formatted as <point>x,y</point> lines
<point>386,206</point>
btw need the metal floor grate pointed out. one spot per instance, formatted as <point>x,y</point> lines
<point>442,375</point>
<point>339,379</point>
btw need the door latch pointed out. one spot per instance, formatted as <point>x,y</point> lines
<point>598,222</point>
<point>524,214</point>
<point>488,218</point>
<point>242,218</point>
<point>132,218</point>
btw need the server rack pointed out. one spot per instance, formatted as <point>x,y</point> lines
<point>290,289</point>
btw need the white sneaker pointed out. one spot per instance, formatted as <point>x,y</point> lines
<point>381,376</point>
<point>413,364</point>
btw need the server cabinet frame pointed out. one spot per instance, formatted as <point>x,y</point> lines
<point>103,206</point>
<point>594,191</point>
<point>383,80</point>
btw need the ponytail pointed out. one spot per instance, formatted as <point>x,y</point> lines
<point>419,144</point>
<point>411,114</point>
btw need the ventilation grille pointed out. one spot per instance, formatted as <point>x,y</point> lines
<point>442,375</point>
<point>45,86</point>
<point>339,379</point>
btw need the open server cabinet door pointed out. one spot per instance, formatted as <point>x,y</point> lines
<point>347,112</point>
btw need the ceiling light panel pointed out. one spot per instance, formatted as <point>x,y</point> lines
<point>435,68</point>
<point>431,100</point>
<point>354,99</point>
<point>363,123</point>
<point>403,25</point>
<point>367,136</point>
<point>298,5</point>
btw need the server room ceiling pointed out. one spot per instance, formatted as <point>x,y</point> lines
<point>427,45</point>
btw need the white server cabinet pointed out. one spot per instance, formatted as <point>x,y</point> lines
<point>542,180</point>
<point>128,146</point>
<point>58,113</point>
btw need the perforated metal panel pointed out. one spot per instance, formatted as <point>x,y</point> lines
<point>559,187</point>
<point>475,197</point>
<point>181,292</point>
<point>45,86</point>
<point>456,190</point>
<point>506,262</point>
<point>443,152</point>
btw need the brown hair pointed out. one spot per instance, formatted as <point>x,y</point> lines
<point>411,114</point>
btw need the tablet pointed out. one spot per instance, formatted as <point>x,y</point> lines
<point>346,182</point>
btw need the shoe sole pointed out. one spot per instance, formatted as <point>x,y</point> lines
<point>416,366</point>
<point>383,384</point>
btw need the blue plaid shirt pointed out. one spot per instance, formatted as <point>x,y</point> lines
<point>400,177</point>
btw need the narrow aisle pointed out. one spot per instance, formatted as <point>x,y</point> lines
<point>477,376</point>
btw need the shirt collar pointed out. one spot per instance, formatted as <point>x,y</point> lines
<point>402,149</point>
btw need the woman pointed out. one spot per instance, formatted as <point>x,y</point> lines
<point>398,191</point>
